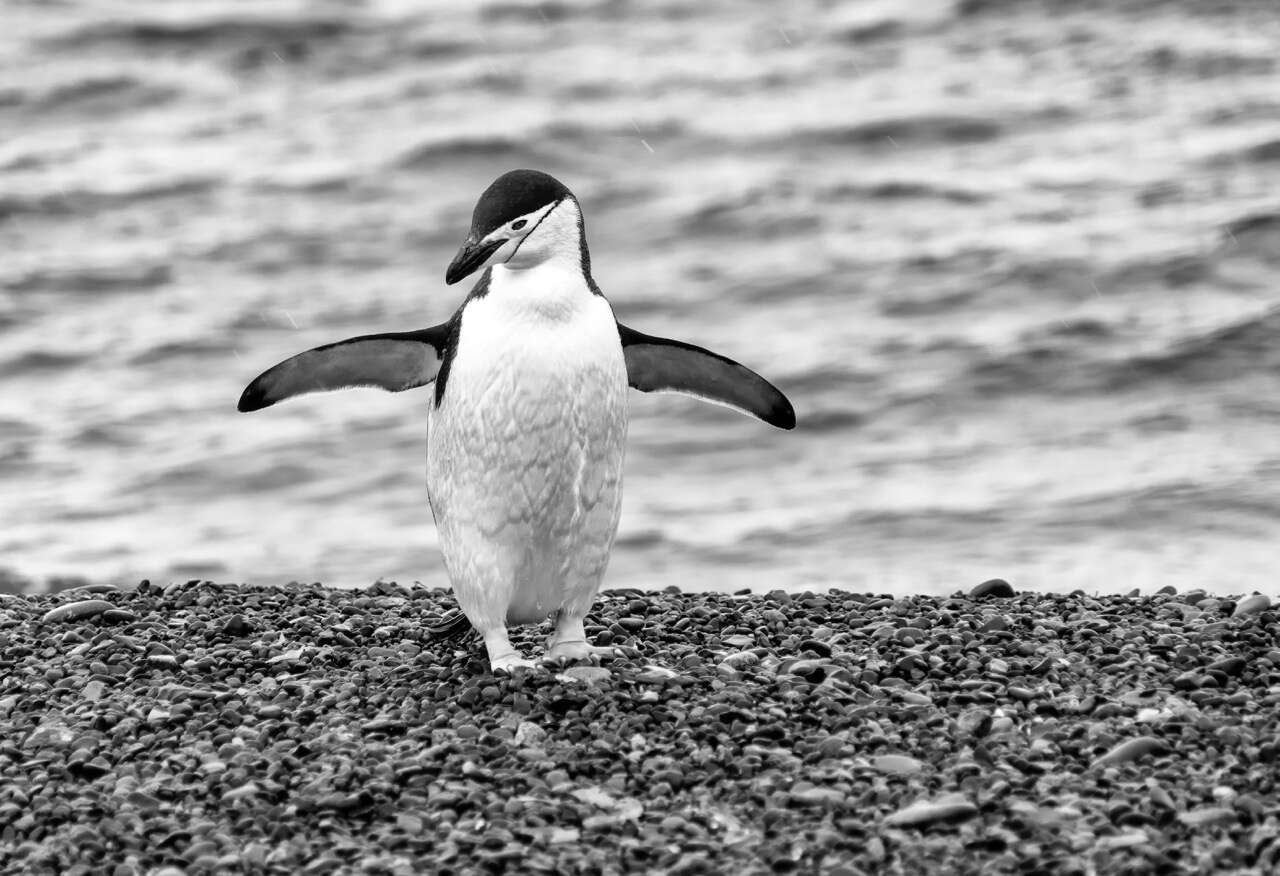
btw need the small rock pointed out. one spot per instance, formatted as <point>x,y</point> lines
<point>1229,665</point>
<point>741,659</point>
<point>994,624</point>
<point>1207,815</point>
<point>244,792</point>
<point>995,588</point>
<point>409,823</point>
<point>922,813</point>
<point>822,649</point>
<point>588,674</point>
<point>236,626</point>
<point>975,722</point>
<point>1132,749</point>
<point>1255,604</point>
<point>817,797</point>
<point>528,733</point>
<point>897,764</point>
<point>74,611</point>
<point>655,674</point>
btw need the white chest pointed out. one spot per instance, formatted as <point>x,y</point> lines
<point>537,379</point>
<point>537,333</point>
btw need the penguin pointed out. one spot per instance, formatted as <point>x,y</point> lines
<point>527,423</point>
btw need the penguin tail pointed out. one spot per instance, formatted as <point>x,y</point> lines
<point>451,627</point>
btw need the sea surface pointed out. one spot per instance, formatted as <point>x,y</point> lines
<point>1016,263</point>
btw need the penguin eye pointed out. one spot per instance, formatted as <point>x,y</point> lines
<point>518,224</point>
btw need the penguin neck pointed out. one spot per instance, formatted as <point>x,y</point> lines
<point>554,290</point>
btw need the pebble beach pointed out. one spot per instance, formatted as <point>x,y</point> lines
<point>201,728</point>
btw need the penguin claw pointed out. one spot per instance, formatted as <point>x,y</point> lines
<point>509,663</point>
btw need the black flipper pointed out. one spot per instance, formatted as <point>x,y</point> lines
<point>393,361</point>
<point>450,628</point>
<point>663,365</point>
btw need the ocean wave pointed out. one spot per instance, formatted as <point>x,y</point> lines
<point>1257,235</point>
<point>287,35</point>
<point>82,201</point>
<point>97,94</point>
<point>1203,64</point>
<point>1263,152</point>
<point>495,150</point>
<point>1168,272</point>
<point>1225,354</point>
<point>92,280</point>
<point>901,190</point>
<point>927,129</point>
<point>203,478</point>
<point>40,361</point>
<point>1239,506</point>
<point>189,349</point>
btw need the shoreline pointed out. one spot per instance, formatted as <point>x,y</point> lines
<point>214,727</point>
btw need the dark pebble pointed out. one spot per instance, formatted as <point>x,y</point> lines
<point>236,626</point>
<point>997,588</point>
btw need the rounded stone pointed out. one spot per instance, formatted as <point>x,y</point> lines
<point>994,588</point>
<point>74,611</point>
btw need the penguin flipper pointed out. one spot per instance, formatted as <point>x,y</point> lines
<point>663,365</point>
<point>393,361</point>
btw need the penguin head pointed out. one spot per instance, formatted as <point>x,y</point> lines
<point>523,219</point>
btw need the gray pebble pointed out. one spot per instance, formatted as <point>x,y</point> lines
<point>74,611</point>
<point>922,813</point>
<point>1132,749</point>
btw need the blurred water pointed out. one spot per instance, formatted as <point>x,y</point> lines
<point>1014,262</point>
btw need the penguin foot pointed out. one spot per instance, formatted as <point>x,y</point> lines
<point>574,651</point>
<point>509,663</point>
<point>502,656</point>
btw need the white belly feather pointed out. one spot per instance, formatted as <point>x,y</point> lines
<point>524,454</point>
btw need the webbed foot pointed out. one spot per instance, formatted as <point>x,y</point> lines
<point>575,650</point>
<point>502,656</point>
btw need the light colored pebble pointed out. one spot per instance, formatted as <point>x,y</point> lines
<point>922,813</point>
<point>897,764</point>
<point>1207,815</point>
<point>1255,604</point>
<point>74,611</point>
<point>1132,749</point>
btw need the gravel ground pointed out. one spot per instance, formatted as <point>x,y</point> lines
<point>215,728</point>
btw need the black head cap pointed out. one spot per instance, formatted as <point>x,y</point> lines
<point>513,194</point>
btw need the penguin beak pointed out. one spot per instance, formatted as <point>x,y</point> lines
<point>472,255</point>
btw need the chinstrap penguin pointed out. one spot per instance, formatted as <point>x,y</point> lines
<point>528,419</point>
